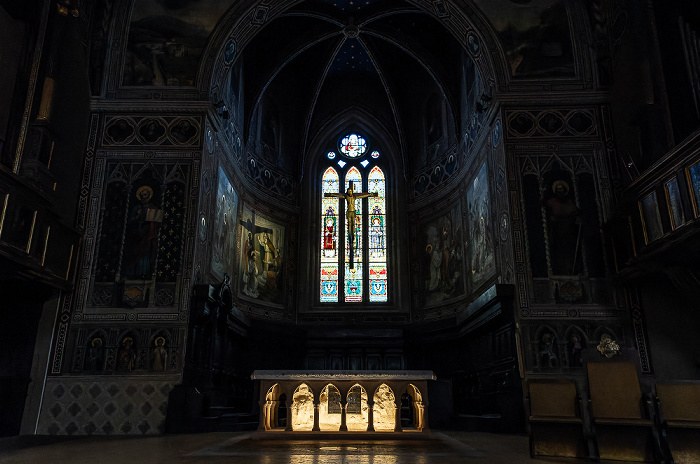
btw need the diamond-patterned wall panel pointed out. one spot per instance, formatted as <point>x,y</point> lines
<point>104,406</point>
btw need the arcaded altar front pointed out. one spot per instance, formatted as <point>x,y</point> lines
<point>343,401</point>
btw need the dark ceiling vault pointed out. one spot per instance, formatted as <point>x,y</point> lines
<point>323,58</point>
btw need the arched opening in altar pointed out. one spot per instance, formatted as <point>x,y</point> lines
<point>384,409</point>
<point>330,409</point>
<point>357,409</point>
<point>303,408</point>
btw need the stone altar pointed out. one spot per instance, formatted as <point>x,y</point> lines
<point>343,401</point>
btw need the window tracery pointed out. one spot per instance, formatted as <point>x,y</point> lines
<point>353,245</point>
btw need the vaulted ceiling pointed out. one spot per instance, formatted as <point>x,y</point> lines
<point>327,59</point>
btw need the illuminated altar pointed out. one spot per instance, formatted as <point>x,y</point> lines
<point>343,401</point>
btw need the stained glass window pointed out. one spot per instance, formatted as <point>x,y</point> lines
<point>329,237</point>
<point>353,145</point>
<point>377,236</point>
<point>353,263</point>
<point>353,274</point>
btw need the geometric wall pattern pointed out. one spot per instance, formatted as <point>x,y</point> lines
<point>100,406</point>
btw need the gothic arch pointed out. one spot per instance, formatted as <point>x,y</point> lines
<point>236,25</point>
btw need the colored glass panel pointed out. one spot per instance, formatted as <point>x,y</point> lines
<point>353,282</point>
<point>377,237</point>
<point>353,276</point>
<point>329,237</point>
<point>353,145</point>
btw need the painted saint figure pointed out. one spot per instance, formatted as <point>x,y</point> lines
<point>159,355</point>
<point>249,277</point>
<point>267,251</point>
<point>142,239</point>
<point>547,356</point>
<point>376,233</point>
<point>329,233</point>
<point>575,347</point>
<point>350,213</point>
<point>563,221</point>
<point>94,359</point>
<point>126,357</point>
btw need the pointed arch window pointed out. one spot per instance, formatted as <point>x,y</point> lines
<point>353,260</point>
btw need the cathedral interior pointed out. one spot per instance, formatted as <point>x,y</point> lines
<point>504,193</point>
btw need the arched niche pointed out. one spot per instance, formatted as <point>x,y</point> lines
<point>330,409</point>
<point>357,410</point>
<point>412,409</point>
<point>303,409</point>
<point>384,409</point>
<point>275,408</point>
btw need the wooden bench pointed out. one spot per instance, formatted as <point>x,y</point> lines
<point>556,428</point>
<point>679,415</point>
<point>619,413</point>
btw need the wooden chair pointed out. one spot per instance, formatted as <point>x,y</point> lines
<point>679,415</point>
<point>619,412</point>
<point>556,428</point>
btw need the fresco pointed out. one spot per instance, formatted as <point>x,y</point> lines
<point>224,238</point>
<point>166,40</point>
<point>481,250</point>
<point>142,229</point>
<point>262,262</point>
<point>442,269</point>
<point>535,35</point>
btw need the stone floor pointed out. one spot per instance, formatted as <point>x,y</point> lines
<point>243,448</point>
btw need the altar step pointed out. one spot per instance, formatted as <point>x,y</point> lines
<point>281,434</point>
<point>225,419</point>
<point>478,423</point>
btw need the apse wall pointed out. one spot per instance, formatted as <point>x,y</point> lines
<point>172,186</point>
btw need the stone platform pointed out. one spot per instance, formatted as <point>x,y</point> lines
<point>329,402</point>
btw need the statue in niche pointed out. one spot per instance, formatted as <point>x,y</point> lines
<point>546,351</point>
<point>159,355</point>
<point>142,236</point>
<point>564,229</point>
<point>95,355</point>
<point>575,348</point>
<point>126,357</point>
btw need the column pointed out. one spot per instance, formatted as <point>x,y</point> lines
<point>397,415</point>
<point>317,407</point>
<point>424,417</point>
<point>419,414</point>
<point>272,411</point>
<point>343,417</point>
<point>370,415</point>
<point>288,403</point>
<point>263,421</point>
